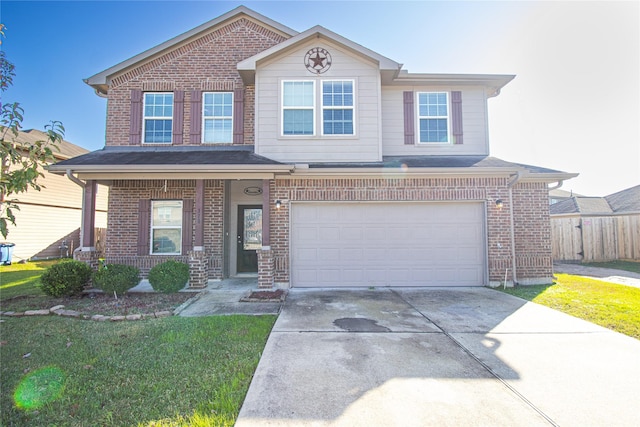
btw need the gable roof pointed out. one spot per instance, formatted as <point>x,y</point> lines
<point>66,150</point>
<point>625,201</point>
<point>388,67</point>
<point>100,81</point>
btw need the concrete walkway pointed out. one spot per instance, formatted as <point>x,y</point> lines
<point>441,357</point>
<point>223,297</point>
<point>620,277</point>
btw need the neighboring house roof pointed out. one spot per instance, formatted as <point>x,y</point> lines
<point>625,201</point>
<point>558,193</point>
<point>100,81</point>
<point>66,150</point>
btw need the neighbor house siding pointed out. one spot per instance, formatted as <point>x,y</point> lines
<point>474,123</point>
<point>51,216</point>
<point>207,63</point>
<point>122,236</point>
<point>364,146</point>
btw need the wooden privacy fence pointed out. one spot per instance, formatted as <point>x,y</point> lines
<point>595,238</point>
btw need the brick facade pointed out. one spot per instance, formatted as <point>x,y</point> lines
<point>122,228</point>
<point>532,235</point>
<point>206,63</point>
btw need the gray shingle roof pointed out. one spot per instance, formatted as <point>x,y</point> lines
<point>626,200</point>
<point>215,155</point>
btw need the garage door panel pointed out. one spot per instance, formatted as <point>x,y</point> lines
<point>388,244</point>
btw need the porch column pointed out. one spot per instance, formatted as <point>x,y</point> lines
<point>87,252</point>
<point>198,263</point>
<point>89,214</point>
<point>265,255</point>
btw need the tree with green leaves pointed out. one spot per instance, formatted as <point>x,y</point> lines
<point>22,163</point>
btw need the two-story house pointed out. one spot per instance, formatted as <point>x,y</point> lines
<point>246,148</point>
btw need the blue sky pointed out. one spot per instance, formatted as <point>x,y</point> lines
<point>574,105</point>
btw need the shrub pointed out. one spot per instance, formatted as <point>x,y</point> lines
<point>65,278</point>
<point>118,278</point>
<point>169,276</point>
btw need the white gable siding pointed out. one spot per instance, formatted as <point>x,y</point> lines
<point>474,122</point>
<point>363,146</point>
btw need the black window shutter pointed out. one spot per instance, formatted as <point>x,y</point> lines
<point>196,117</point>
<point>178,116</point>
<point>135,123</point>
<point>187,226</point>
<point>456,116</point>
<point>409,119</point>
<point>144,225</point>
<point>238,116</point>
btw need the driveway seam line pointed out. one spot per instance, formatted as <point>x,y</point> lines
<point>484,365</point>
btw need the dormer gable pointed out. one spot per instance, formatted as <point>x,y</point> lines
<point>389,69</point>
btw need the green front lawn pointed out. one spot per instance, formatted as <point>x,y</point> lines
<point>164,372</point>
<point>610,305</point>
<point>633,266</point>
<point>22,279</point>
<point>161,372</point>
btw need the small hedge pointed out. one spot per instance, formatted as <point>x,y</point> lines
<point>169,276</point>
<point>118,278</point>
<point>65,279</point>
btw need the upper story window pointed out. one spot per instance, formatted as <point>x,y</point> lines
<point>217,117</point>
<point>158,117</point>
<point>337,107</point>
<point>166,227</point>
<point>298,107</point>
<point>433,117</point>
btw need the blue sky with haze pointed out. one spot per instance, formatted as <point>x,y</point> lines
<point>574,105</point>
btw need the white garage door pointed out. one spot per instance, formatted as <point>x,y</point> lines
<point>387,244</point>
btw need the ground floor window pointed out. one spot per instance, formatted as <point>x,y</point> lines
<point>166,227</point>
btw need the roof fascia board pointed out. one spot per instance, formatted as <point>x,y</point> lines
<point>101,79</point>
<point>145,176</point>
<point>409,173</point>
<point>495,81</point>
<point>113,170</point>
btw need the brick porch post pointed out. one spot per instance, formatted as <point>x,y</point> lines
<point>265,268</point>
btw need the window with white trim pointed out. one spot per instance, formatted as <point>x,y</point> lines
<point>298,107</point>
<point>158,117</point>
<point>166,227</point>
<point>217,117</point>
<point>337,107</point>
<point>433,117</point>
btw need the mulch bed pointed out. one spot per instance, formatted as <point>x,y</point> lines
<point>265,296</point>
<point>98,303</point>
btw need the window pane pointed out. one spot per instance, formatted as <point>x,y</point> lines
<point>434,130</point>
<point>167,213</point>
<point>298,122</point>
<point>432,105</point>
<point>297,94</point>
<point>218,104</point>
<point>158,131</point>
<point>338,122</point>
<point>166,241</point>
<point>218,130</point>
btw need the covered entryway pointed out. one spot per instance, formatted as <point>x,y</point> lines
<point>388,244</point>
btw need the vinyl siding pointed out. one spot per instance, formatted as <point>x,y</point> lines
<point>51,215</point>
<point>474,122</point>
<point>363,146</point>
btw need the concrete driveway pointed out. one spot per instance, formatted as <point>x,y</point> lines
<point>445,357</point>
